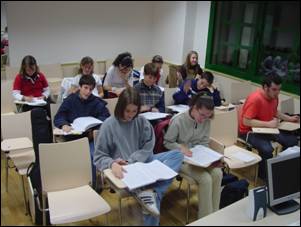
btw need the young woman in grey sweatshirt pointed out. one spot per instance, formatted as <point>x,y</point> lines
<point>187,130</point>
<point>127,138</point>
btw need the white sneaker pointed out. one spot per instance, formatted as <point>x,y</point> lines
<point>147,200</point>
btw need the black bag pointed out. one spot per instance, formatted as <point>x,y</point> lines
<point>41,133</point>
<point>233,191</point>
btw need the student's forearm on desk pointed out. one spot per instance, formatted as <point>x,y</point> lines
<point>258,123</point>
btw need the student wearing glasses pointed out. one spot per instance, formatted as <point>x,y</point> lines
<point>118,75</point>
<point>187,130</point>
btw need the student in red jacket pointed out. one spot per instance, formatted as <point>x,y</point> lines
<point>30,83</point>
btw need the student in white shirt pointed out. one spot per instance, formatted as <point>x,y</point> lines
<point>87,68</point>
<point>118,75</point>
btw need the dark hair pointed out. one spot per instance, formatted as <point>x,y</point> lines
<point>127,96</point>
<point>203,99</point>
<point>208,76</point>
<point>150,69</point>
<point>157,59</point>
<point>124,59</point>
<point>187,63</point>
<point>272,78</point>
<point>85,60</point>
<point>29,61</point>
<point>88,80</point>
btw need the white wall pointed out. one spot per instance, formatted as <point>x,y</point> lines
<point>168,30</point>
<point>3,16</point>
<point>66,31</point>
<point>201,30</point>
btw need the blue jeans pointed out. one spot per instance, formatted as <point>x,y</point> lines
<point>172,159</point>
<point>262,143</point>
<point>91,145</point>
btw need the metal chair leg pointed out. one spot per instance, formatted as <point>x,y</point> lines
<point>188,203</point>
<point>24,194</point>
<point>180,184</point>
<point>256,174</point>
<point>44,207</point>
<point>6,177</point>
<point>107,219</point>
<point>120,215</point>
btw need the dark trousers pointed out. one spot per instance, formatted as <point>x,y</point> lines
<point>262,143</point>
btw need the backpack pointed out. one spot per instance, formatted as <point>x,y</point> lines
<point>233,190</point>
<point>160,129</point>
<point>41,133</point>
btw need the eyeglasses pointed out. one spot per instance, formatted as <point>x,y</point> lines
<point>204,116</point>
<point>124,69</point>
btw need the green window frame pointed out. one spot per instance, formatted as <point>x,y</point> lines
<point>256,49</point>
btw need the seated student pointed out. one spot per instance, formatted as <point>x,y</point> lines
<point>190,69</point>
<point>81,104</point>
<point>158,61</point>
<point>31,83</point>
<point>86,68</point>
<point>118,75</point>
<point>187,130</point>
<point>195,86</point>
<point>126,138</point>
<point>260,110</point>
<point>151,96</point>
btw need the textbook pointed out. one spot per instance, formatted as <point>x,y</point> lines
<point>202,156</point>
<point>141,174</point>
<point>82,124</point>
<point>34,102</point>
<point>154,115</point>
<point>79,125</point>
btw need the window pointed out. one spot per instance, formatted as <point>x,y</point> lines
<point>253,39</point>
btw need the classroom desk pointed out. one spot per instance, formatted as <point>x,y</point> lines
<point>236,214</point>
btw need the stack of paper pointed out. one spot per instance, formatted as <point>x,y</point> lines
<point>153,115</point>
<point>266,130</point>
<point>34,102</point>
<point>289,126</point>
<point>225,108</point>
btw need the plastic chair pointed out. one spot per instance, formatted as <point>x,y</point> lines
<point>66,182</point>
<point>17,144</point>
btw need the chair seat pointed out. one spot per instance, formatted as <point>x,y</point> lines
<point>16,144</point>
<point>22,160</point>
<point>76,204</point>
<point>235,163</point>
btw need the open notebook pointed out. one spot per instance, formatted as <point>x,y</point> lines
<point>80,125</point>
<point>141,174</point>
<point>202,156</point>
<point>34,102</point>
<point>225,108</point>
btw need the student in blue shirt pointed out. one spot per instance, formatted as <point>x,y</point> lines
<point>82,104</point>
<point>195,86</point>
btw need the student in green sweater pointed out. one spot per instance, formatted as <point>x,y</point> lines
<point>187,130</point>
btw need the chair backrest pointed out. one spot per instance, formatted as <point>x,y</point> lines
<point>11,72</point>
<point>287,106</point>
<point>224,127</point>
<point>53,110</point>
<point>52,70</point>
<point>7,101</point>
<point>16,125</point>
<point>65,87</point>
<point>168,92</point>
<point>111,104</point>
<point>240,90</point>
<point>65,165</point>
